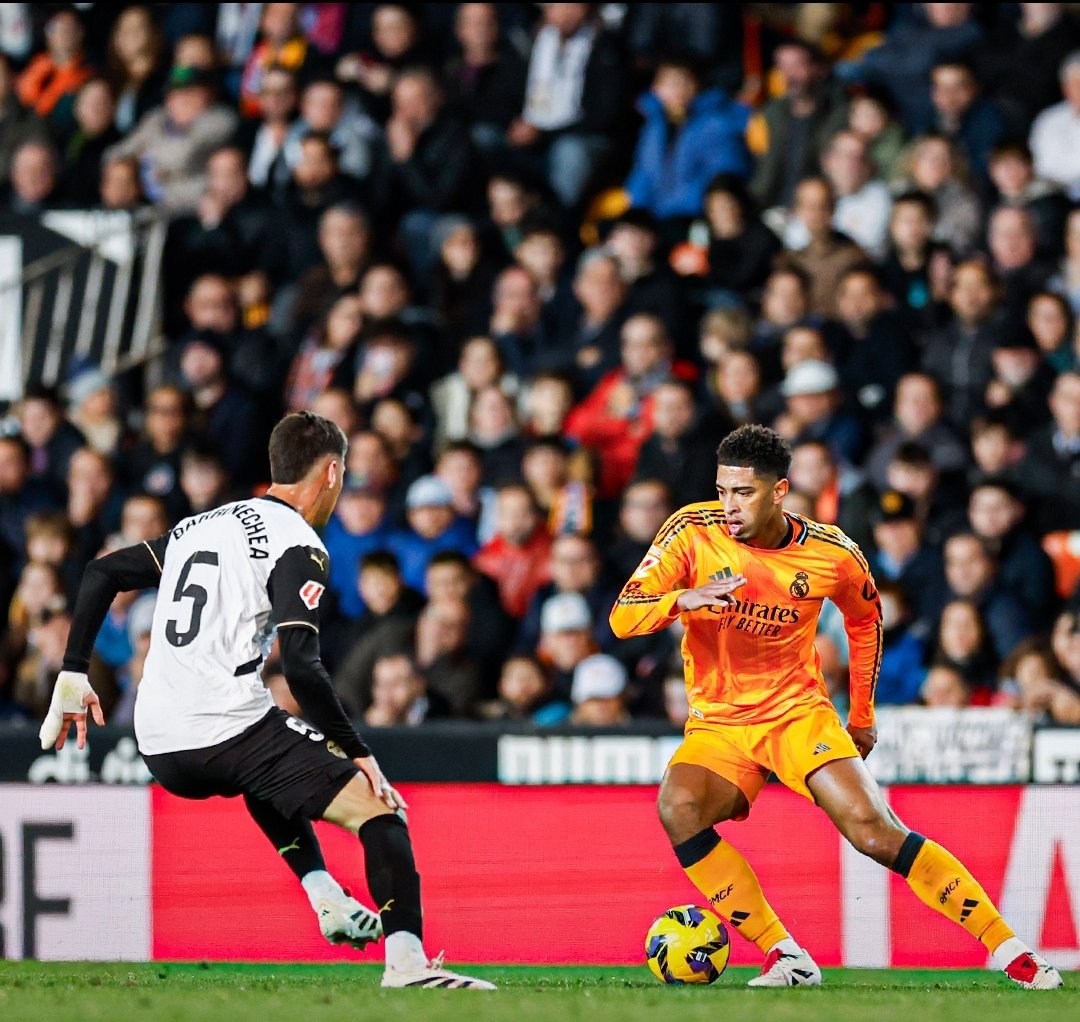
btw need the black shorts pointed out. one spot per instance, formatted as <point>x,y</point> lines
<point>280,760</point>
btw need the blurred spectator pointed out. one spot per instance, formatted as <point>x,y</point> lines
<point>153,465</point>
<point>442,631</point>
<point>542,253</point>
<point>589,348</point>
<point>281,44</point>
<point>597,692</point>
<point>399,694</point>
<point>17,124</point>
<point>825,254</point>
<point>433,527</point>
<point>331,343</point>
<point>1051,469</point>
<point>644,507</point>
<point>51,80</point>
<point>1021,61</point>
<point>959,355</point>
<point>1050,320</point>
<point>573,97</point>
<point>932,165</point>
<point>93,409</point>
<point>51,439</point>
<point>870,118</point>
<point>945,687</point>
<point>120,187</point>
<point>617,416</point>
<point>722,332</point>
<point>1021,383</point>
<point>431,169</point>
<point>486,81</point>
<point>912,268</point>
<point>565,638</point>
<point>1012,170</point>
<point>996,514</point>
<point>814,412</point>
<point>494,431</point>
<point>547,403</point>
<point>634,241</point>
<point>912,47</point>
<point>738,385</point>
<point>526,693</point>
<point>93,132</point>
<point>996,451</point>
<point>226,414</point>
<point>460,466</point>
<point>35,178</point>
<point>387,625</point>
<point>575,568</point>
<point>862,198</point>
<point>938,498</point>
<point>518,556</point>
<point>358,527</point>
<point>172,141</point>
<point>516,325</point>
<point>1066,281</point>
<point>972,573</point>
<point>796,125</point>
<point>1040,685</point>
<point>740,248</point>
<point>93,502</point>
<point>204,480</point>
<point>135,65</point>
<point>900,555</point>
<point>872,347</point>
<point>918,417</point>
<point>836,498</point>
<point>691,134</point>
<point>264,140</point>
<point>681,447</point>
<point>463,279</point>
<point>396,45</point>
<point>972,122</point>
<point>900,678</point>
<point>1056,132</point>
<point>964,643</point>
<point>479,366</point>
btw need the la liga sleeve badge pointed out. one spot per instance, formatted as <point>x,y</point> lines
<point>311,592</point>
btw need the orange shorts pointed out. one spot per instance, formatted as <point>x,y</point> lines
<point>792,747</point>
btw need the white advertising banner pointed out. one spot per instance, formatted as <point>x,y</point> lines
<point>75,873</point>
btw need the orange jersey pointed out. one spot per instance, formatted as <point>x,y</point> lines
<point>756,661</point>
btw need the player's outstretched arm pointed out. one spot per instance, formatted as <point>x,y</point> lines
<point>649,600</point>
<point>134,567</point>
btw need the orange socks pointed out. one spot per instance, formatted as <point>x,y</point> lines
<point>726,879</point>
<point>941,880</point>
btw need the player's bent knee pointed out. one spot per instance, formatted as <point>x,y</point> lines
<point>682,812</point>
<point>878,839</point>
<point>354,805</point>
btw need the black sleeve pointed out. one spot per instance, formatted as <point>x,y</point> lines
<point>295,588</point>
<point>134,567</point>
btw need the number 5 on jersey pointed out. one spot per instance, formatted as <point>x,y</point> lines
<point>190,591</point>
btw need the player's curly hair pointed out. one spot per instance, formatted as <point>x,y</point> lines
<point>298,441</point>
<point>757,447</point>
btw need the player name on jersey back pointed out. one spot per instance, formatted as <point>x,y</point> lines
<point>214,620</point>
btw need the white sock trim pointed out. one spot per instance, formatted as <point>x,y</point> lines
<point>404,952</point>
<point>320,885</point>
<point>1008,951</point>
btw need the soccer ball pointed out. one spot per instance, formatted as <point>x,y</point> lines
<point>687,945</point>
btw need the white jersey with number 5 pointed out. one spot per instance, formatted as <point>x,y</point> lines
<point>229,577</point>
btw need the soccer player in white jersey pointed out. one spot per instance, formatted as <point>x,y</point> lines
<point>206,725</point>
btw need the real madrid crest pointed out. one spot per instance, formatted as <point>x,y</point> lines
<point>800,588</point>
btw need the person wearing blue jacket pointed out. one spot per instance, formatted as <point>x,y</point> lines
<point>689,136</point>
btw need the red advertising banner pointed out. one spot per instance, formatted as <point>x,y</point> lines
<point>576,874</point>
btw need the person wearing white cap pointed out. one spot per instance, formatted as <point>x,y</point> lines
<point>566,625</point>
<point>433,527</point>
<point>597,692</point>
<point>811,391</point>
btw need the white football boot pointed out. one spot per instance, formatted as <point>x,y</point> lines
<point>1032,972</point>
<point>782,969</point>
<point>346,921</point>
<point>433,976</point>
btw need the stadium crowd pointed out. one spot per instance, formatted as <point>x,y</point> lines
<point>536,260</point>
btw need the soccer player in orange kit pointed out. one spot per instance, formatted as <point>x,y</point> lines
<point>747,580</point>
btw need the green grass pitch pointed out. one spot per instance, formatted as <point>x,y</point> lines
<point>118,992</point>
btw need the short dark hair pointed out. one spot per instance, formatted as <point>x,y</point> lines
<point>454,557</point>
<point>381,560</point>
<point>757,447</point>
<point>298,441</point>
<point>915,197</point>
